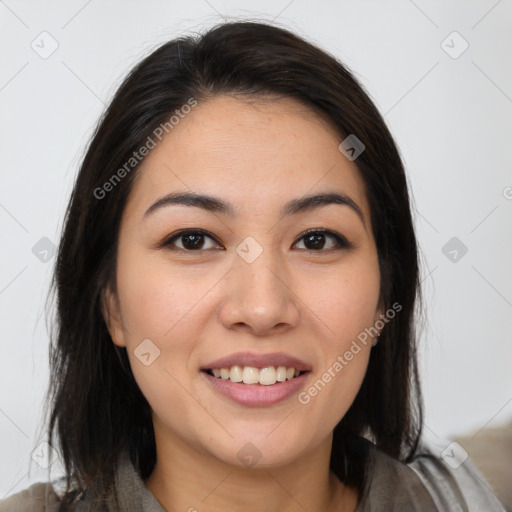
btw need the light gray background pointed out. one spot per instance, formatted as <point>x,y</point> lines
<point>451,117</point>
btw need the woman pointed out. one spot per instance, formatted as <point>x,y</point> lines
<point>236,287</point>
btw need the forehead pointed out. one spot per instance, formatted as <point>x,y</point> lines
<point>257,154</point>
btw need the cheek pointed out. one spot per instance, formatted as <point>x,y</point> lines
<point>334,386</point>
<point>158,306</point>
<point>328,397</point>
<point>346,310</point>
<point>156,302</point>
<point>158,321</point>
<point>347,301</point>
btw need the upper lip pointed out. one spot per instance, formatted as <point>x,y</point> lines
<point>258,361</point>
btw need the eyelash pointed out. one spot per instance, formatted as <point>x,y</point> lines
<point>341,241</point>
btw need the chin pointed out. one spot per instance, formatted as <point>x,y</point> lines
<point>252,449</point>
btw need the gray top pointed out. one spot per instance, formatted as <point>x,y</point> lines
<point>430,483</point>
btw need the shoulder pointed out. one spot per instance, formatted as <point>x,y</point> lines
<point>440,478</point>
<point>452,480</point>
<point>39,497</point>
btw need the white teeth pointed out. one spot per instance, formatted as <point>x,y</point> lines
<point>268,376</point>
<point>235,374</point>
<point>281,373</point>
<point>250,375</point>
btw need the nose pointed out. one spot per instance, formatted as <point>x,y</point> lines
<point>259,297</point>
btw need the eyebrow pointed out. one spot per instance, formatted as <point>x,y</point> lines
<point>217,205</point>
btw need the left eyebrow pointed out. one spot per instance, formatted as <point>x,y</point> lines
<point>313,202</point>
<point>217,205</point>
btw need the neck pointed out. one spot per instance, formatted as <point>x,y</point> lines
<point>186,479</point>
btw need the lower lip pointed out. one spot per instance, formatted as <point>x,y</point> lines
<point>257,395</point>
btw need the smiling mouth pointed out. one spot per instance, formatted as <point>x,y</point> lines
<point>251,375</point>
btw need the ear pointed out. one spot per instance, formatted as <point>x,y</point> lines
<point>112,316</point>
<point>379,312</point>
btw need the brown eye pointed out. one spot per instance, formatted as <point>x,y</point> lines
<point>190,240</point>
<point>318,239</point>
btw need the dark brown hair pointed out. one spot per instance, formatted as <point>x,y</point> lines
<point>96,407</point>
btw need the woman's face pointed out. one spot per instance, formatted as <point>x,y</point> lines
<point>253,289</point>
